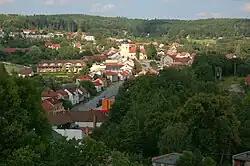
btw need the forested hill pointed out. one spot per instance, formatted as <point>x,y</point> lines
<point>115,26</point>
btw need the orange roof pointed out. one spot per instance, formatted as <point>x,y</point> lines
<point>85,78</point>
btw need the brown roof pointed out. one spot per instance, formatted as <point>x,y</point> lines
<point>59,118</point>
<point>87,116</point>
<point>61,61</point>
<point>49,93</point>
<point>26,71</point>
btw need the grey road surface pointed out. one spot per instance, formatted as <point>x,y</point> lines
<point>109,92</point>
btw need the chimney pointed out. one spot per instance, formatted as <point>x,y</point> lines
<point>94,120</point>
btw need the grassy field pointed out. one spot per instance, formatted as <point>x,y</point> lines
<point>203,41</point>
<point>228,81</point>
<point>10,67</point>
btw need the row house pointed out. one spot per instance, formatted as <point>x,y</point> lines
<point>61,66</point>
<point>52,45</point>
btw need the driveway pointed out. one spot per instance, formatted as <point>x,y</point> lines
<point>112,90</point>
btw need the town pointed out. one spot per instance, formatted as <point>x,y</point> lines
<point>126,99</point>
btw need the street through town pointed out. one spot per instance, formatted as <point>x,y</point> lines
<point>112,90</point>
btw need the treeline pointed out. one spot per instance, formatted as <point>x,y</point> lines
<point>184,109</point>
<point>116,26</point>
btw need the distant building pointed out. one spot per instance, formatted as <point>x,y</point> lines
<point>89,38</point>
<point>74,66</point>
<point>26,72</point>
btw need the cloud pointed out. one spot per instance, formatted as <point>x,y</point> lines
<point>6,1</point>
<point>246,7</point>
<point>209,15</point>
<point>99,8</point>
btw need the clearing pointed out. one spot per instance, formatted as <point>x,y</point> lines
<point>10,67</point>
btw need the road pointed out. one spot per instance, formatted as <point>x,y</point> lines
<point>112,90</point>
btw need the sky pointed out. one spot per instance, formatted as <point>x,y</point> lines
<point>147,9</point>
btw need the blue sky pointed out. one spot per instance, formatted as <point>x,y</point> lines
<point>180,9</point>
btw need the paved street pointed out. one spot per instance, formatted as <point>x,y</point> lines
<point>109,92</point>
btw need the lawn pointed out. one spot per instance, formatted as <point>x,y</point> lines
<point>203,41</point>
<point>10,67</point>
<point>226,82</point>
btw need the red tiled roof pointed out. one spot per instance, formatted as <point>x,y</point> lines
<point>78,44</point>
<point>114,64</point>
<point>53,101</point>
<point>49,93</point>
<point>124,73</point>
<point>85,78</point>
<point>229,56</point>
<point>61,92</point>
<point>13,50</point>
<point>46,105</point>
<point>48,44</point>
<point>97,83</point>
<point>56,45</point>
<point>110,73</point>
<point>132,49</point>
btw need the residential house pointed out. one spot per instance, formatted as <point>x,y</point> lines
<point>96,58</point>
<point>90,119</point>
<point>29,32</point>
<point>129,51</point>
<point>61,94</point>
<point>61,66</point>
<point>58,119</point>
<point>112,76</point>
<point>166,160</point>
<point>48,93</point>
<point>13,50</point>
<point>83,78</point>
<point>52,46</point>
<point>113,67</point>
<point>52,105</point>
<point>124,75</point>
<point>76,93</point>
<point>98,85</point>
<point>97,67</point>
<point>84,120</point>
<point>230,56</point>
<point>70,134</point>
<point>241,159</point>
<point>89,38</point>
<point>26,72</point>
<point>103,81</point>
<point>167,60</point>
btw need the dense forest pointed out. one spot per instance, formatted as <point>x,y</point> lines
<point>116,26</point>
